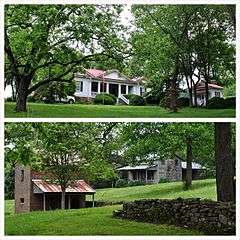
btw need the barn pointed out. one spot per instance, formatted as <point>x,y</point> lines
<point>34,193</point>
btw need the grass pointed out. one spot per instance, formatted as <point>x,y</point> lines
<point>201,188</point>
<point>88,221</point>
<point>116,111</point>
<point>99,221</point>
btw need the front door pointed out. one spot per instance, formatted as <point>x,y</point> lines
<point>113,89</point>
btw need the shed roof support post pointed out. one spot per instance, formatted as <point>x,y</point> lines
<point>44,202</point>
<point>69,202</point>
<point>93,203</point>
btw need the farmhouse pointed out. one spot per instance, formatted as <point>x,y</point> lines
<point>95,81</point>
<point>34,193</point>
<point>170,170</point>
<point>214,90</point>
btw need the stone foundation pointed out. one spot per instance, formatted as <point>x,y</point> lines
<point>210,217</point>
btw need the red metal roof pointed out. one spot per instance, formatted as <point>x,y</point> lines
<point>95,73</point>
<point>79,186</point>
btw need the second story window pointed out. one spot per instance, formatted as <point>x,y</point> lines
<point>22,175</point>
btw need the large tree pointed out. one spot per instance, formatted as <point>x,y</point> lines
<point>191,43</point>
<point>225,168</point>
<point>45,43</point>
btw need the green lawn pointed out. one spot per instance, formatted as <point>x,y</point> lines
<point>88,221</point>
<point>99,221</point>
<point>100,111</point>
<point>201,188</point>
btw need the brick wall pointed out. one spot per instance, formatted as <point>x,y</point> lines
<point>210,217</point>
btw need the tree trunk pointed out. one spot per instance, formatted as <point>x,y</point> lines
<point>63,198</point>
<point>195,95</point>
<point>21,95</point>
<point>206,92</point>
<point>190,93</point>
<point>173,96</point>
<point>224,163</point>
<point>189,164</point>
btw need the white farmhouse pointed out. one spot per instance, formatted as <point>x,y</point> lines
<point>95,81</point>
<point>214,90</point>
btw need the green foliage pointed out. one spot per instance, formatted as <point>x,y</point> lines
<point>163,180</point>
<point>105,99</point>
<point>152,99</point>
<point>230,102</point>
<point>216,103</point>
<point>121,183</point>
<point>133,183</point>
<point>183,102</point>
<point>135,100</point>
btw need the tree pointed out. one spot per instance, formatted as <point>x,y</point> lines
<point>191,43</point>
<point>47,43</point>
<point>224,163</point>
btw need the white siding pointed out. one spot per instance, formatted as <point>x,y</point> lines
<point>86,88</point>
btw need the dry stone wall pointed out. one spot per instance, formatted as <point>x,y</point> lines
<point>210,217</point>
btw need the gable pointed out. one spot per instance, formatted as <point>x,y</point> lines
<point>114,74</point>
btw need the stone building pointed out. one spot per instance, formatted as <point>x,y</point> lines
<point>170,170</point>
<point>34,193</point>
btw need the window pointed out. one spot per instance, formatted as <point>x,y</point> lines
<point>202,97</point>
<point>94,86</point>
<point>22,200</point>
<point>22,175</point>
<point>79,86</point>
<point>141,91</point>
<point>217,94</point>
<point>162,162</point>
<point>103,89</point>
<point>123,89</point>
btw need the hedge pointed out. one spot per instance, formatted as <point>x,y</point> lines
<point>105,98</point>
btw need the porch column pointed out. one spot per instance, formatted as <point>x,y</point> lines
<point>44,202</point>
<point>69,202</point>
<point>107,87</point>
<point>119,90</point>
<point>127,89</point>
<point>93,203</point>
<point>99,87</point>
<point>146,177</point>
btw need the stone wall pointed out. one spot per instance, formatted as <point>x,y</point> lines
<point>210,217</point>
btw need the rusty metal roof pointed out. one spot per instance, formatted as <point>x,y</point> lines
<point>79,186</point>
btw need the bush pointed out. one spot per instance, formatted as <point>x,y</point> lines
<point>163,180</point>
<point>216,103</point>
<point>154,100</point>
<point>135,100</point>
<point>106,99</point>
<point>135,183</point>
<point>230,102</point>
<point>9,99</point>
<point>121,183</point>
<point>31,99</point>
<point>183,102</point>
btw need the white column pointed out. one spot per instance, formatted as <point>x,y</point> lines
<point>107,87</point>
<point>126,89</point>
<point>119,90</point>
<point>146,176</point>
<point>93,203</point>
<point>98,87</point>
<point>44,202</point>
<point>69,202</point>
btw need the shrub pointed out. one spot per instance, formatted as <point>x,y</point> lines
<point>31,99</point>
<point>121,183</point>
<point>216,103</point>
<point>154,100</point>
<point>163,180</point>
<point>135,183</point>
<point>106,99</point>
<point>135,100</point>
<point>230,102</point>
<point>9,99</point>
<point>183,102</point>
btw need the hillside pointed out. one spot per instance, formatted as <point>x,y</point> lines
<point>201,188</point>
